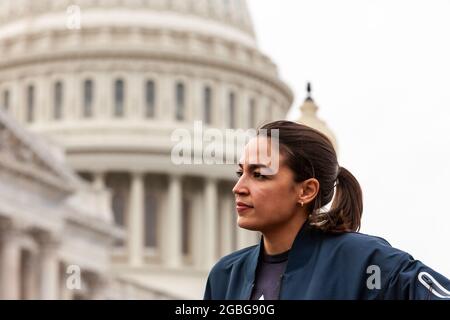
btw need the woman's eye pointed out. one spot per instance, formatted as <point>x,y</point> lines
<point>258,175</point>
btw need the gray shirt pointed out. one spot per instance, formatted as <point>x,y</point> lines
<point>268,275</point>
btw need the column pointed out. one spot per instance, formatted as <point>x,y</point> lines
<point>49,267</point>
<point>10,263</point>
<point>173,223</point>
<point>136,220</point>
<point>211,221</point>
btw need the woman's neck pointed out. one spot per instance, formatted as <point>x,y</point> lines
<point>280,239</point>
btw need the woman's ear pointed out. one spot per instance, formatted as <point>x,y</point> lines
<point>308,191</point>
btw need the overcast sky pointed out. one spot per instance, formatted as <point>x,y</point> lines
<point>380,73</point>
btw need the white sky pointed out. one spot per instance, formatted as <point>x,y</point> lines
<point>380,73</point>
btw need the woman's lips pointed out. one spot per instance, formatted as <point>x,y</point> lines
<point>241,207</point>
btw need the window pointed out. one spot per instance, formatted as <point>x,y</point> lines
<point>180,97</point>
<point>151,220</point>
<point>30,104</point>
<point>57,100</point>
<point>231,111</point>
<point>150,99</point>
<point>88,98</point>
<point>6,100</point>
<point>207,101</point>
<point>119,98</point>
<point>252,114</point>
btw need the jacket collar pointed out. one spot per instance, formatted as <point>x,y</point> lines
<point>301,251</point>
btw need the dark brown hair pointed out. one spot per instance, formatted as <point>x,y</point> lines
<point>310,154</point>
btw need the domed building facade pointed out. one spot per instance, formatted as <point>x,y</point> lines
<point>110,81</point>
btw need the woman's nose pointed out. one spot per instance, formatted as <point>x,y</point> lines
<point>239,187</point>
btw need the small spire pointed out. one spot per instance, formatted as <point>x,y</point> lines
<point>309,117</point>
<point>308,89</point>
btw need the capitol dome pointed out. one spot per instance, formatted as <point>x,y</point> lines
<point>231,13</point>
<point>110,81</point>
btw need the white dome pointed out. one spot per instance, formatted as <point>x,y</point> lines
<point>227,18</point>
<point>217,31</point>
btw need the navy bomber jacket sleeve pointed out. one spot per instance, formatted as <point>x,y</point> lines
<point>413,280</point>
<point>330,266</point>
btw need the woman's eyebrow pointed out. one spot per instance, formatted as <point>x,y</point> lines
<point>254,166</point>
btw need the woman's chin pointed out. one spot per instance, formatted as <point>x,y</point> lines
<point>245,223</point>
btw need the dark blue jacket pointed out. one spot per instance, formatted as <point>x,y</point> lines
<point>332,266</point>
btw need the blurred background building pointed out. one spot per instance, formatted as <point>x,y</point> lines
<point>91,92</point>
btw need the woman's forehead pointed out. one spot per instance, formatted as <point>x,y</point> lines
<point>259,148</point>
<point>261,152</point>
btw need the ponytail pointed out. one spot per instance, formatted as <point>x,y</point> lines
<point>346,209</point>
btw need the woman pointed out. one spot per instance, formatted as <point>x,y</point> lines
<point>307,252</point>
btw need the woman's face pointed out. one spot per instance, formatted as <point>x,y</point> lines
<point>265,198</point>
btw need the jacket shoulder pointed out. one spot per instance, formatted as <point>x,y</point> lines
<point>364,238</point>
<point>366,247</point>
<point>353,240</point>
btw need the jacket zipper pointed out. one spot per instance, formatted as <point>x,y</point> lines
<point>433,286</point>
